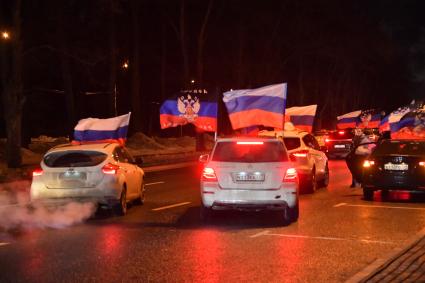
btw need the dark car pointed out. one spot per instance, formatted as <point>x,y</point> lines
<point>394,165</point>
<point>339,143</point>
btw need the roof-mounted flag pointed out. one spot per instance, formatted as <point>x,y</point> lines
<point>302,117</point>
<point>411,124</point>
<point>369,119</point>
<point>191,106</point>
<point>262,106</point>
<point>348,120</point>
<point>102,130</point>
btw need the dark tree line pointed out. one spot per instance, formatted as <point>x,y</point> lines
<point>65,59</point>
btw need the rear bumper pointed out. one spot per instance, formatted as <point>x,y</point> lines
<point>407,183</point>
<point>274,199</point>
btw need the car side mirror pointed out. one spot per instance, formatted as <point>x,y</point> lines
<point>204,158</point>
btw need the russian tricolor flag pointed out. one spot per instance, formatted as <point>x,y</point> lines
<point>102,130</point>
<point>262,106</point>
<point>302,117</point>
<point>348,120</point>
<point>410,126</point>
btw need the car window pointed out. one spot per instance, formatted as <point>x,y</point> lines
<point>400,147</point>
<point>128,155</point>
<point>315,143</point>
<point>292,143</point>
<point>74,158</point>
<point>250,153</point>
<point>119,155</point>
<point>310,141</point>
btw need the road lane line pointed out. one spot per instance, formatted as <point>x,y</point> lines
<point>4,244</point>
<point>171,206</point>
<point>154,183</point>
<point>266,233</point>
<point>260,234</point>
<point>340,204</point>
<point>380,206</point>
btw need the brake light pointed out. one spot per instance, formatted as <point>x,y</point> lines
<point>300,153</point>
<point>341,133</point>
<point>368,163</point>
<point>110,169</point>
<point>327,140</point>
<point>250,142</point>
<point>422,163</point>
<point>290,175</point>
<point>37,172</point>
<point>209,174</point>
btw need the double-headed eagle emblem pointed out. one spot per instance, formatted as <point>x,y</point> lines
<point>188,107</point>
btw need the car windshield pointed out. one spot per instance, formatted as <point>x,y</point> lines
<point>401,147</point>
<point>74,158</point>
<point>292,143</point>
<point>250,153</point>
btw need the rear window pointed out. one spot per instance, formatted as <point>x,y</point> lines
<point>74,158</point>
<point>400,147</point>
<point>250,153</point>
<point>292,143</point>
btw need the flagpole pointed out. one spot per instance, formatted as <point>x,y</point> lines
<point>284,108</point>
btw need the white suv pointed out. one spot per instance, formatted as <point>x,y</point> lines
<point>249,174</point>
<point>104,173</point>
<point>310,160</point>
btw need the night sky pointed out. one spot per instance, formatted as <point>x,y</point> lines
<point>341,55</point>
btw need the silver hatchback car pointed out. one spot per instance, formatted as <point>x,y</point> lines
<point>249,174</point>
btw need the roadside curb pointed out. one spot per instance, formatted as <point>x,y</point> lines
<point>381,263</point>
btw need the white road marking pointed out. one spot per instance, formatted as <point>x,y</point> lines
<point>154,183</point>
<point>267,233</point>
<point>171,206</point>
<point>340,204</point>
<point>4,244</point>
<point>379,206</point>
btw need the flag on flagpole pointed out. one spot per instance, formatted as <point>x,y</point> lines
<point>348,120</point>
<point>102,130</point>
<point>262,106</point>
<point>189,107</point>
<point>370,118</point>
<point>302,117</point>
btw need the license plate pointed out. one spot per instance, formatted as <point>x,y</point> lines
<point>398,167</point>
<point>249,177</point>
<point>339,146</point>
<point>73,175</point>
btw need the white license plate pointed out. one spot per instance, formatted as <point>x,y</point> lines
<point>398,167</point>
<point>73,175</point>
<point>339,146</point>
<point>249,177</point>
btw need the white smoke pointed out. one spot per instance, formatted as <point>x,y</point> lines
<point>17,213</point>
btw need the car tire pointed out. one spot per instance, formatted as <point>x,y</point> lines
<point>121,207</point>
<point>385,194</point>
<point>291,214</point>
<point>310,186</point>
<point>141,198</point>
<point>205,213</point>
<point>368,194</point>
<point>325,181</point>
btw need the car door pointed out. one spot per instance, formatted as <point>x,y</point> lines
<point>355,161</point>
<point>318,156</point>
<point>127,171</point>
<point>135,173</point>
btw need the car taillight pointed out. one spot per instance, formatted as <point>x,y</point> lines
<point>341,133</point>
<point>290,175</point>
<point>300,153</point>
<point>209,174</point>
<point>327,140</point>
<point>368,163</point>
<point>250,142</point>
<point>422,163</point>
<point>110,169</point>
<point>37,172</point>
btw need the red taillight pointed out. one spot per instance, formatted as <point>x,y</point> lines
<point>290,175</point>
<point>368,163</point>
<point>250,142</point>
<point>37,172</point>
<point>341,133</point>
<point>110,169</point>
<point>327,140</point>
<point>300,153</point>
<point>422,163</point>
<point>209,175</point>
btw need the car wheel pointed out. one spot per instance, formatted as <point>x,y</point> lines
<point>205,213</point>
<point>367,194</point>
<point>121,207</point>
<point>290,214</point>
<point>311,185</point>
<point>325,182</point>
<point>385,194</point>
<point>141,198</point>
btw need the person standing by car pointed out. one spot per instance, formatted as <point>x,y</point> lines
<point>359,153</point>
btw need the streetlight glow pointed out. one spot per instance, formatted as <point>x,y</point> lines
<point>5,35</point>
<point>125,65</point>
<point>192,81</point>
